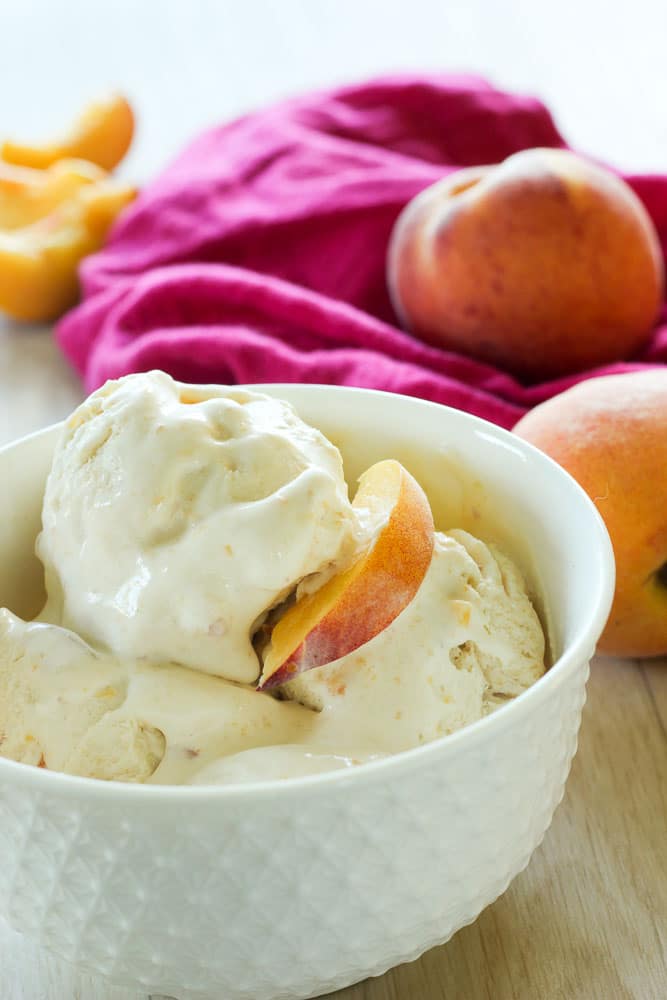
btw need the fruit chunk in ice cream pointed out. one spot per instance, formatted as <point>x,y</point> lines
<point>175,516</point>
<point>353,606</point>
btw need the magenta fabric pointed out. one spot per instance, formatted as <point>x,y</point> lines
<point>259,254</point>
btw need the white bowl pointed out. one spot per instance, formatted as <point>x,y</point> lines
<point>297,888</point>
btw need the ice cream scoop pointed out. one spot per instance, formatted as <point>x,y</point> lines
<point>176,516</point>
<point>54,692</point>
<point>68,707</point>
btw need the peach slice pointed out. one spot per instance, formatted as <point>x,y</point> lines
<point>357,604</point>
<point>27,194</point>
<point>102,134</point>
<point>39,260</point>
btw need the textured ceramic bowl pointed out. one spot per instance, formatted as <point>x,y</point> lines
<point>293,889</point>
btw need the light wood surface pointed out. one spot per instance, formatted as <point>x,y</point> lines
<point>588,918</point>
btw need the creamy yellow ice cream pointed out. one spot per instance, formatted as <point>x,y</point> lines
<point>68,707</point>
<point>466,643</point>
<point>175,518</point>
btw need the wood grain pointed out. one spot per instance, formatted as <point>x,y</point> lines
<point>655,676</point>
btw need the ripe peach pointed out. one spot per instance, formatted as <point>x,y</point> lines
<point>610,433</point>
<point>543,265</point>
<point>360,602</point>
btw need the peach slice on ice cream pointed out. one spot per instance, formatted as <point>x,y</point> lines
<point>358,603</point>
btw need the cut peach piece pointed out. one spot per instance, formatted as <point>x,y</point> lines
<point>39,261</point>
<point>27,194</point>
<point>102,134</point>
<point>360,602</point>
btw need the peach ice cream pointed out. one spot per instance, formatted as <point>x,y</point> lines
<point>198,541</point>
<point>176,516</point>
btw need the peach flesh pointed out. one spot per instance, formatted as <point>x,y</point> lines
<point>364,599</point>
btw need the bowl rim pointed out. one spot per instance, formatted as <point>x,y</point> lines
<point>579,650</point>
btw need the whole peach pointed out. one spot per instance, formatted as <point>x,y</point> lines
<point>610,433</point>
<point>545,264</point>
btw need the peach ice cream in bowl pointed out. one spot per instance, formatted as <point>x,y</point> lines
<point>276,641</point>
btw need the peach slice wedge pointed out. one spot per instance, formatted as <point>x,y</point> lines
<point>358,603</point>
<point>102,134</point>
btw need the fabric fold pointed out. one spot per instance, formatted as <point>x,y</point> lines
<point>259,254</point>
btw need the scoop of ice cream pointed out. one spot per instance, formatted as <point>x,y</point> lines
<point>175,516</point>
<point>68,708</point>
<point>469,640</point>
<point>54,691</point>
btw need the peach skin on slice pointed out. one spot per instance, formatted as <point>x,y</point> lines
<point>357,604</point>
<point>102,134</point>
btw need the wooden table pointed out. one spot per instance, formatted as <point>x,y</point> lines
<point>588,918</point>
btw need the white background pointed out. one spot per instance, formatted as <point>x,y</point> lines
<point>601,66</point>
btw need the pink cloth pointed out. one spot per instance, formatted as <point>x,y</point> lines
<point>259,254</point>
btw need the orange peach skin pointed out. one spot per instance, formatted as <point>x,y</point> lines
<point>543,265</point>
<point>611,434</point>
<point>363,600</point>
<point>102,134</point>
